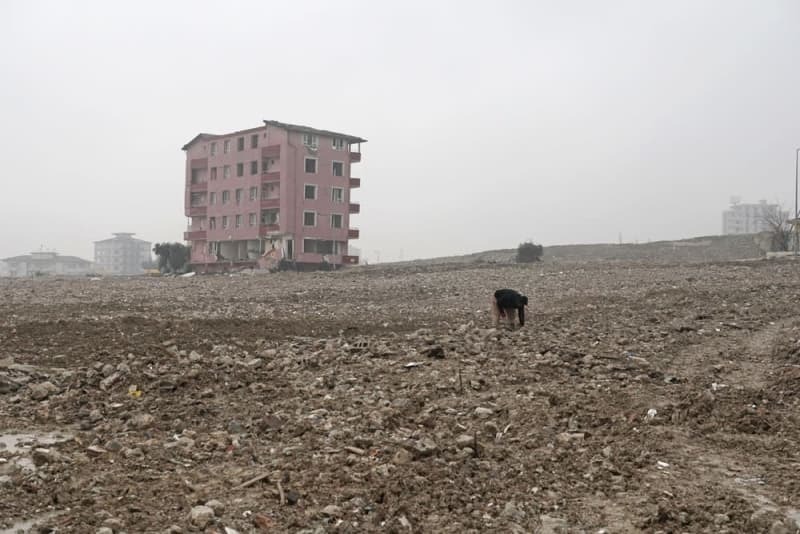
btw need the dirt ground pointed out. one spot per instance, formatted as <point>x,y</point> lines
<point>637,398</point>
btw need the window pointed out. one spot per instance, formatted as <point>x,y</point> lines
<point>319,246</point>
<point>226,197</point>
<point>252,219</point>
<point>239,195</point>
<point>224,221</point>
<point>212,198</point>
<point>336,220</point>
<point>269,191</point>
<point>240,169</point>
<point>213,248</point>
<point>311,165</point>
<point>226,146</point>
<point>240,144</point>
<point>254,193</point>
<point>238,221</point>
<point>338,143</point>
<point>213,149</point>
<point>212,223</point>
<point>254,141</point>
<point>337,194</point>
<point>226,171</point>
<point>310,140</point>
<point>253,167</point>
<point>338,168</point>
<point>269,216</point>
<point>213,173</point>
<point>309,218</point>
<point>310,192</point>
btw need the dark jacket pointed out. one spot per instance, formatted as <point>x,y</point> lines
<point>508,299</point>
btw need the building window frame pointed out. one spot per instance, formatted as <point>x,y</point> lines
<point>310,187</point>
<point>316,164</point>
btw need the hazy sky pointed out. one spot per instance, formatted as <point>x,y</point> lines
<point>488,122</point>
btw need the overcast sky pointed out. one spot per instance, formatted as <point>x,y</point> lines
<point>488,122</point>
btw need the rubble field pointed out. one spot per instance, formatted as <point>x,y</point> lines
<point>636,398</point>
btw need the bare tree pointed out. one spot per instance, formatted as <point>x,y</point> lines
<point>780,228</point>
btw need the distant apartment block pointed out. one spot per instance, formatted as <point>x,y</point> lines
<point>278,191</point>
<point>44,263</point>
<point>748,218</point>
<point>122,254</point>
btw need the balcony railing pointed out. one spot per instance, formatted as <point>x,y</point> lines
<point>355,207</point>
<point>352,233</point>
<point>198,187</point>
<point>194,235</point>
<point>197,211</point>
<point>267,229</point>
<point>355,157</point>
<point>270,203</point>
<point>271,176</point>
<point>355,182</point>
<point>271,151</point>
<point>199,163</point>
<point>350,260</point>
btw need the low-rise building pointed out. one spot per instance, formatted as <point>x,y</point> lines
<point>45,263</point>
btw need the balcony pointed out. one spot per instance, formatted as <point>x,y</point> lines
<point>270,203</point>
<point>271,177</point>
<point>199,187</point>
<point>355,208</point>
<point>197,211</point>
<point>267,229</point>
<point>194,235</point>
<point>350,260</point>
<point>352,233</point>
<point>355,157</point>
<point>199,163</point>
<point>355,182</point>
<point>271,151</point>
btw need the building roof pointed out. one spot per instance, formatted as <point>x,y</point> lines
<point>122,236</point>
<point>278,124</point>
<point>55,257</point>
<point>307,129</point>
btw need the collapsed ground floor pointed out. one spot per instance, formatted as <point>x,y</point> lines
<point>270,253</point>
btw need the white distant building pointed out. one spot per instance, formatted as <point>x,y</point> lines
<point>122,254</point>
<point>748,218</point>
<point>44,263</point>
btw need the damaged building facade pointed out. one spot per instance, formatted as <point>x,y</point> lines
<point>278,191</point>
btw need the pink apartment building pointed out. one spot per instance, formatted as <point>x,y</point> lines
<point>279,191</point>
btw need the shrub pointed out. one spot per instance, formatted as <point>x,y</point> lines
<point>528,252</point>
<point>172,257</point>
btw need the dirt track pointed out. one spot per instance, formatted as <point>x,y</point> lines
<point>291,402</point>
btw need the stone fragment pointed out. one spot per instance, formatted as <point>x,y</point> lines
<point>201,516</point>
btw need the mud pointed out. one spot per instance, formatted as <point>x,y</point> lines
<point>637,398</point>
